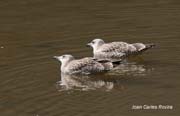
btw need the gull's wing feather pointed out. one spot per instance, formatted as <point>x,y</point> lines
<point>118,47</point>
<point>85,65</point>
<point>111,56</point>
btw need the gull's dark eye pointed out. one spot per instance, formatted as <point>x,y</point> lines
<point>92,42</point>
<point>63,56</point>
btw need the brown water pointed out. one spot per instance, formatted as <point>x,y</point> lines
<point>31,32</point>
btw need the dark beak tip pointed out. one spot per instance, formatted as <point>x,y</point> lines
<point>88,45</point>
<point>54,57</point>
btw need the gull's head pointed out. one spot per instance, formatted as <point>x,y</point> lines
<point>64,58</point>
<point>96,43</point>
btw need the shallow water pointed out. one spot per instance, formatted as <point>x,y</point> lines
<point>31,32</point>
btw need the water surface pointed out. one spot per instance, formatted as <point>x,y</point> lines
<point>31,32</point>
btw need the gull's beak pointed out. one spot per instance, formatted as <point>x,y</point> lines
<point>88,45</point>
<point>55,57</point>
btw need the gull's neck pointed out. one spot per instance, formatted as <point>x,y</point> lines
<point>65,64</point>
<point>96,48</point>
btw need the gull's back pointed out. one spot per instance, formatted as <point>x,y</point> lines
<point>120,50</point>
<point>85,66</point>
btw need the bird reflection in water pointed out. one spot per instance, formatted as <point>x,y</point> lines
<point>131,69</point>
<point>82,82</point>
<point>104,81</point>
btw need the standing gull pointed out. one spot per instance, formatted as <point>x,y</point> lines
<point>70,65</point>
<point>116,50</point>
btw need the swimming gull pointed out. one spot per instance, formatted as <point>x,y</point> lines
<point>87,65</point>
<point>116,50</point>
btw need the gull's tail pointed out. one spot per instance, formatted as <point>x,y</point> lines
<point>143,47</point>
<point>148,46</point>
<point>151,45</point>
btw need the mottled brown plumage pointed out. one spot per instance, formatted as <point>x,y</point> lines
<point>86,65</point>
<point>116,50</point>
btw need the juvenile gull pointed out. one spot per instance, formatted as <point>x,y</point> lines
<point>70,65</point>
<point>116,50</point>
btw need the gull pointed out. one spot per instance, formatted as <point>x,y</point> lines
<point>116,50</point>
<point>87,65</point>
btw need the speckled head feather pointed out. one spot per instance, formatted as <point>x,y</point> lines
<point>95,44</point>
